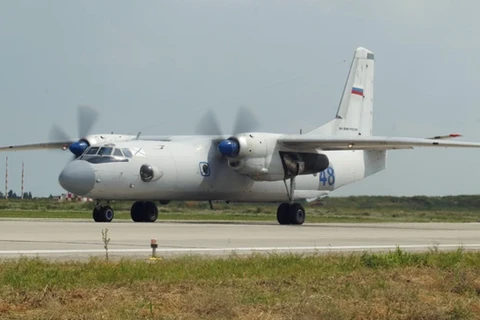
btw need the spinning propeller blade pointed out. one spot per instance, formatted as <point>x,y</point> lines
<point>58,134</point>
<point>208,125</point>
<point>245,121</point>
<point>86,117</point>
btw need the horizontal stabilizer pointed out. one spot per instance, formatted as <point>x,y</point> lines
<point>310,195</point>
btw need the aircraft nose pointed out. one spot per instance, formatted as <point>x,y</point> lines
<point>77,177</point>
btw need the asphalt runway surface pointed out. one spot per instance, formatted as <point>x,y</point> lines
<point>79,239</point>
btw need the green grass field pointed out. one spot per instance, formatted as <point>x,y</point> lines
<point>347,209</point>
<point>398,285</point>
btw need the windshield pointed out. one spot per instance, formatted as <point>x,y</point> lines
<point>106,154</point>
<point>105,151</point>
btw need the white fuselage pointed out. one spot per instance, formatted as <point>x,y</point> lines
<point>180,174</point>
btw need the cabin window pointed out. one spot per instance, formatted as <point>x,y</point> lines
<point>204,169</point>
<point>146,172</point>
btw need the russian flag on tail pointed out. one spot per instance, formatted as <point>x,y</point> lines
<point>358,91</point>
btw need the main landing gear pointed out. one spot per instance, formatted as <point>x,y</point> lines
<point>290,213</point>
<point>144,211</point>
<point>141,211</point>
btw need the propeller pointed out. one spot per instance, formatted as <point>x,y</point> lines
<point>245,121</point>
<point>208,125</point>
<point>86,118</point>
<point>58,134</point>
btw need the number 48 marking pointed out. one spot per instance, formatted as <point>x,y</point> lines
<point>328,176</point>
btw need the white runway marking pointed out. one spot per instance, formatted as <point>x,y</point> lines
<point>245,249</point>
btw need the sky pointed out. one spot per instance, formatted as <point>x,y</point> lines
<point>158,66</point>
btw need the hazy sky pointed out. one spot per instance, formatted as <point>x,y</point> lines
<point>161,64</point>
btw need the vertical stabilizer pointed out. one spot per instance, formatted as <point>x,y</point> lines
<point>355,112</point>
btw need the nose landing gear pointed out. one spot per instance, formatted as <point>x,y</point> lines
<point>102,213</point>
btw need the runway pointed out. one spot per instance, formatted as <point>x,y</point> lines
<point>79,239</point>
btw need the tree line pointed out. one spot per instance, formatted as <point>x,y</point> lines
<point>13,195</point>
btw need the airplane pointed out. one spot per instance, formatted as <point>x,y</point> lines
<point>243,166</point>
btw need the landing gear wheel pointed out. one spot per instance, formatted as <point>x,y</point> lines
<point>136,211</point>
<point>97,214</point>
<point>150,212</point>
<point>283,213</point>
<point>107,214</point>
<point>296,214</point>
<point>144,211</point>
<point>103,214</point>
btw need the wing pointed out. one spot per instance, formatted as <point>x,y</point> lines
<point>61,145</point>
<point>367,143</point>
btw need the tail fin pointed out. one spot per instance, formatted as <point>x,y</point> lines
<point>355,112</point>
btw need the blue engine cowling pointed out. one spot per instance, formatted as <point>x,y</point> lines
<point>77,148</point>
<point>229,148</point>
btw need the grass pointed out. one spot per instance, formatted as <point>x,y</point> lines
<point>396,285</point>
<point>234,214</point>
<point>349,209</point>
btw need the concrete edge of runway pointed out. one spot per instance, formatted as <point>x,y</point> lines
<point>146,253</point>
<point>235,222</point>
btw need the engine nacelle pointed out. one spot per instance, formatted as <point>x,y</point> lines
<point>256,155</point>
<point>240,146</point>
<point>77,148</point>
<point>250,154</point>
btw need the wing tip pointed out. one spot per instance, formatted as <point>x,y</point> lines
<point>448,136</point>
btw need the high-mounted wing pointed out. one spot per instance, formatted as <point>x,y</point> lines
<point>304,142</point>
<point>61,145</point>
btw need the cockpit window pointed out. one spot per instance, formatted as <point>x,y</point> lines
<point>108,153</point>
<point>118,153</point>
<point>92,150</point>
<point>105,159</point>
<point>105,151</point>
<point>127,153</point>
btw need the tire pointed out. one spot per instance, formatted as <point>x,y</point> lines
<point>136,211</point>
<point>107,214</point>
<point>283,213</point>
<point>296,214</point>
<point>150,212</point>
<point>103,214</point>
<point>97,214</point>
